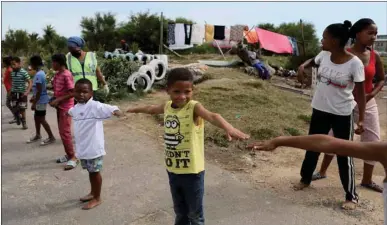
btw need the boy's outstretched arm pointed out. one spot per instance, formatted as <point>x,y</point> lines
<point>219,121</point>
<point>149,109</point>
<point>373,151</point>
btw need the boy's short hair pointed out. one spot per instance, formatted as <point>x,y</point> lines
<point>60,59</point>
<point>36,60</point>
<point>84,81</point>
<point>16,59</point>
<point>179,74</point>
<point>7,60</point>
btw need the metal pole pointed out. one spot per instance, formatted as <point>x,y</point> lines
<point>161,33</point>
<point>303,38</point>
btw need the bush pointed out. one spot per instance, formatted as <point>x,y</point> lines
<point>295,61</point>
<point>117,72</point>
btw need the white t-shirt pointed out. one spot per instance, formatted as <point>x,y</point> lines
<point>88,128</point>
<point>335,83</point>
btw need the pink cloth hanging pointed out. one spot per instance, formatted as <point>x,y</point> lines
<point>274,42</point>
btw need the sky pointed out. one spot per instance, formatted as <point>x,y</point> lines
<point>66,16</point>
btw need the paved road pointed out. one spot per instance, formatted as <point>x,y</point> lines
<point>35,190</point>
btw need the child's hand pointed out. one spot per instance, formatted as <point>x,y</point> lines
<point>263,146</point>
<point>237,134</point>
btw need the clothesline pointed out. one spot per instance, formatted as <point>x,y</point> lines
<point>184,36</point>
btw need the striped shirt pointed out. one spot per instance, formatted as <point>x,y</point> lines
<point>62,83</point>
<point>19,79</point>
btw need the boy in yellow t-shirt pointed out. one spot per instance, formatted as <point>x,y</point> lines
<point>184,144</point>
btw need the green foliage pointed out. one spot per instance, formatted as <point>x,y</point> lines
<point>144,29</point>
<point>205,48</point>
<point>117,72</point>
<point>100,32</point>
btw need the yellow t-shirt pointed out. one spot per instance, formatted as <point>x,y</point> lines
<point>184,140</point>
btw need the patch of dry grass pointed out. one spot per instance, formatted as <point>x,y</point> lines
<point>255,107</point>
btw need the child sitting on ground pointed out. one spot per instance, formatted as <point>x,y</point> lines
<point>184,141</point>
<point>88,115</point>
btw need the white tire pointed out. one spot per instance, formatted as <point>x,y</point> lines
<point>150,71</point>
<point>131,78</point>
<point>159,68</point>
<point>163,58</point>
<point>106,54</point>
<point>145,78</point>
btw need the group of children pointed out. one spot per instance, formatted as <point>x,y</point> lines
<point>339,73</point>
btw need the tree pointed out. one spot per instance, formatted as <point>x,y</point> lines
<point>100,32</point>
<point>183,20</point>
<point>268,26</point>
<point>143,29</point>
<point>16,42</point>
<point>51,41</point>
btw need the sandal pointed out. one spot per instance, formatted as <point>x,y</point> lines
<point>34,139</point>
<point>47,141</point>
<point>71,164</point>
<point>373,186</point>
<point>62,159</point>
<point>318,176</point>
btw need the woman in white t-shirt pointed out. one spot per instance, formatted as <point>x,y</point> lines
<point>339,72</point>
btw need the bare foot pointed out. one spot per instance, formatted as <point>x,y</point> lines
<point>86,198</point>
<point>300,186</point>
<point>91,204</point>
<point>349,205</point>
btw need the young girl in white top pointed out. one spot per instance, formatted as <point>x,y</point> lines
<point>338,74</point>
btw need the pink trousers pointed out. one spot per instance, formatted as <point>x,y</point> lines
<point>64,125</point>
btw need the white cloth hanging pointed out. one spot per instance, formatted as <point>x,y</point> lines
<point>179,34</point>
<point>180,38</point>
<point>197,34</point>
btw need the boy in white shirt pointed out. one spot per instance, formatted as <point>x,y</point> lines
<point>88,116</point>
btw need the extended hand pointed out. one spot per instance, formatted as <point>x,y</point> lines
<point>106,88</point>
<point>263,146</point>
<point>54,103</point>
<point>237,134</point>
<point>360,129</point>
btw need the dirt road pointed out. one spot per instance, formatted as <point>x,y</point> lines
<point>35,190</point>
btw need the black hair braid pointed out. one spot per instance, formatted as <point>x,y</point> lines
<point>340,31</point>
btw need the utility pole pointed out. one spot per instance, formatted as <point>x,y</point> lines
<point>161,34</point>
<point>303,38</point>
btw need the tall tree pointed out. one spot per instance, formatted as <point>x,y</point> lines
<point>100,32</point>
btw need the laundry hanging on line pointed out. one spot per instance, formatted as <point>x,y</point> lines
<point>226,43</point>
<point>182,34</point>
<point>171,34</point>
<point>209,36</point>
<point>198,32</point>
<point>294,44</point>
<point>274,42</point>
<point>250,36</point>
<point>219,32</point>
<point>236,33</point>
<point>188,33</point>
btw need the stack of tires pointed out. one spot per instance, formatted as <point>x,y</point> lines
<point>149,73</point>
